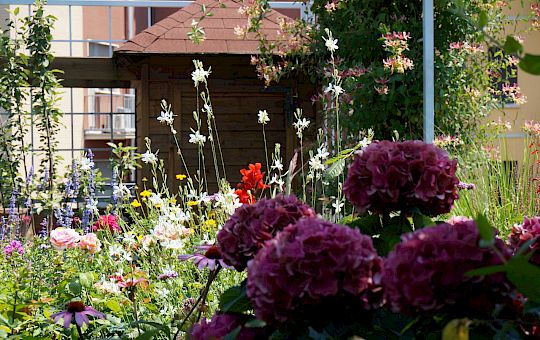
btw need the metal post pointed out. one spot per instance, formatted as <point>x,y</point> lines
<point>429,72</point>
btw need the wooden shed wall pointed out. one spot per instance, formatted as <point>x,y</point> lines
<point>237,96</point>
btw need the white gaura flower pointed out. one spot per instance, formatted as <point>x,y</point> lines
<point>163,292</point>
<point>301,124</point>
<point>122,191</point>
<point>316,165</point>
<point>322,152</point>
<point>228,201</point>
<point>155,199</point>
<point>200,74</point>
<point>277,165</point>
<point>263,117</point>
<point>149,157</point>
<point>334,88</point>
<point>277,181</point>
<point>197,138</point>
<point>337,205</point>
<point>116,251</point>
<point>330,42</point>
<point>166,117</point>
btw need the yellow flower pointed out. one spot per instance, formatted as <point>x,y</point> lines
<point>181,177</point>
<point>192,203</point>
<point>144,179</point>
<point>146,193</point>
<point>172,201</point>
<point>211,223</point>
<point>136,203</point>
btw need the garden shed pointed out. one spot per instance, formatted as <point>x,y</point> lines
<point>160,59</point>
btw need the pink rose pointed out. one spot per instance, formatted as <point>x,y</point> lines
<point>64,238</point>
<point>90,242</point>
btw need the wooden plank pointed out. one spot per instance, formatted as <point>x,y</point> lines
<point>142,119</point>
<point>92,72</point>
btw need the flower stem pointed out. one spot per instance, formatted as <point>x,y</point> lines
<point>79,330</point>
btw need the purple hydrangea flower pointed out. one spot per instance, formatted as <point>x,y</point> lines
<point>310,266</point>
<point>522,233</point>
<point>14,246</point>
<point>76,312</point>
<point>399,176</point>
<point>222,324</point>
<point>253,224</point>
<point>207,256</point>
<point>426,271</point>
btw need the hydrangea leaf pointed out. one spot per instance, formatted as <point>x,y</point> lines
<point>525,276</point>
<point>485,229</point>
<point>235,300</point>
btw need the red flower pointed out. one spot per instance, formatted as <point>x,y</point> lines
<point>107,222</point>
<point>252,180</point>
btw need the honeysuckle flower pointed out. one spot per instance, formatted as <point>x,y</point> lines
<point>263,117</point>
<point>166,117</point>
<point>135,203</point>
<point>149,157</point>
<point>205,256</point>
<point>197,138</point>
<point>76,312</point>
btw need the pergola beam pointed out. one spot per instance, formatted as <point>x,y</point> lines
<point>92,73</point>
<point>429,71</point>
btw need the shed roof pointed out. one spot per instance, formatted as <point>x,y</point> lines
<point>169,36</point>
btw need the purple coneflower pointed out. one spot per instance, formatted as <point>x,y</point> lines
<point>168,274</point>
<point>208,256</point>
<point>76,312</point>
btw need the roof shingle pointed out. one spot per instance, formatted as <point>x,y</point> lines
<point>170,34</point>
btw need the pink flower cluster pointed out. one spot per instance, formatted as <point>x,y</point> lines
<point>65,238</point>
<point>466,46</point>
<point>14,247</point>
<point>522,233</point>
<point>400,176</point>
<point>221,325</point>
<point>396,44</point>
<point>532,128</point>
<point>321,264</point>
<point>447,141</point>
<point>513,91</point>
<point>426,271</point>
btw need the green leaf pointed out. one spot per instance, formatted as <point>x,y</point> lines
<point>530,63</point>
<point>86,279</point>
<point>235,300</point>
<point>525,276</point>
<point>483,19</point>
<point>113,305</point>
<point>457,329</point>
<point>255,323</point>
<point>421,221</point>
<point>335,169</point>
<point>233,334</point>
<point>486,271</point>
<point>512,46</point>
<point>75,287</point>
<point>368,224</point>
<point>487,234</point>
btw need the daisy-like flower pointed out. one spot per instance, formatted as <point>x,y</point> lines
<point>76,312</point>
<point>263,117</point>
<point>168,274</point>
<point>207,256</point>
<point>149,157</point>
<point>180,177</point>
<point>166,117</point>
<point>135,203</point>
<point>197,138</point>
